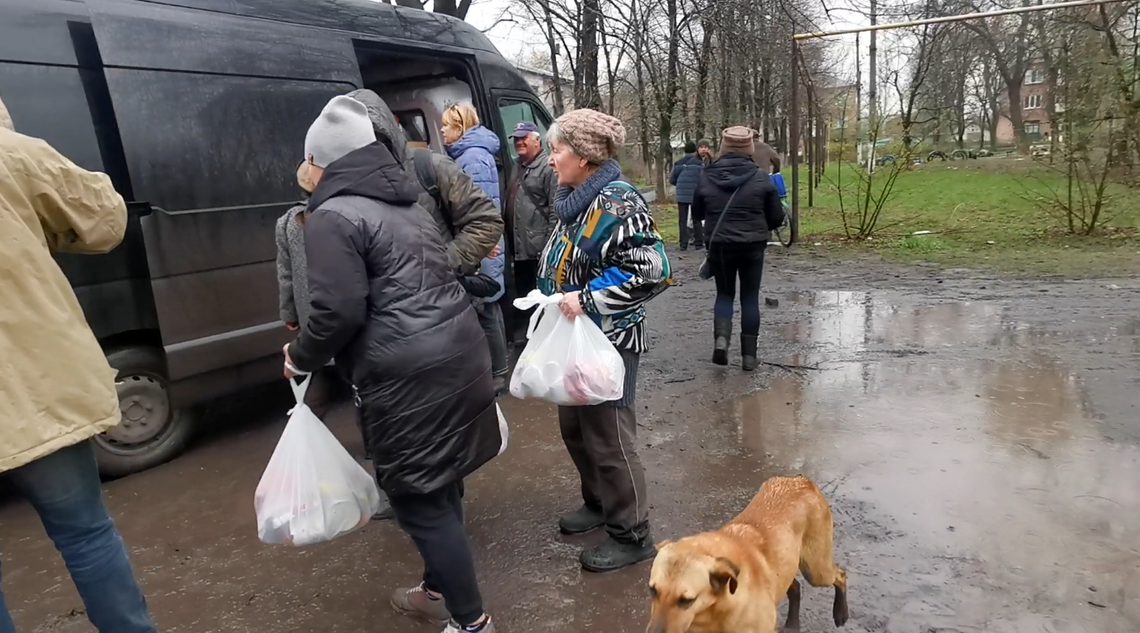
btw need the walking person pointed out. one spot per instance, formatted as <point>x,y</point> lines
<point>61,390</point>
<point>530,205</point>
<point>609,260</point>
<point>741,207</point>
<point>388,306</point>
<point>473,148</point>
<point>686,174</point>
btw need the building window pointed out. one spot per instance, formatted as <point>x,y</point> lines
<point>1032,128</point>
<point>1034,76</point>
<point>1032,102</point>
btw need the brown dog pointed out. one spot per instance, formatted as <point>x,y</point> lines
<point>730,581</point>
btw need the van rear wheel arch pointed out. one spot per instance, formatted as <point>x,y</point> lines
<point>152,431</point>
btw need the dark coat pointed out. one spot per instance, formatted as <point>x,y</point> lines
<point>686,175</point>
<point>388,306</point>
<point>755,210</point>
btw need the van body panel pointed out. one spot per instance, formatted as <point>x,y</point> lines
<point>198,110</point>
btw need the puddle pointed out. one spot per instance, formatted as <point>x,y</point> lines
<point>995,459</point>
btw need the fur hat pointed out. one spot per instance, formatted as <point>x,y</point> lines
<point>342,128</point>
<point>593,135</point>
<point>737,140</point>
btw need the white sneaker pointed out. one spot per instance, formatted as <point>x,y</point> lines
<point>486,627</point>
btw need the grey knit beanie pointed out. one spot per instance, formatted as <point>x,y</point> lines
<point>342,128</point>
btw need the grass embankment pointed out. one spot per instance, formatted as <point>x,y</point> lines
<point>986,214</point>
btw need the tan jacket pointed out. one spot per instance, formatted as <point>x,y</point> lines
<point>56,388</point>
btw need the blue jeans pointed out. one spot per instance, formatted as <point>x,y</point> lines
<point>64,489</point>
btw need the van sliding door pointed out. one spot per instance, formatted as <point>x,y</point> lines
<point>213,111</point>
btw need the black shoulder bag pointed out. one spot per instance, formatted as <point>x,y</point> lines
<point>706,269</point>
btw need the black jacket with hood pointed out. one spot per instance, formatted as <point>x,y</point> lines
<point>755,210</point>
<point>477,221</point>
<point>387,305</point>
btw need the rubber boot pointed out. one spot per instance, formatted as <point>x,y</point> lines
<point>722,332</point>
<point>748,351</point>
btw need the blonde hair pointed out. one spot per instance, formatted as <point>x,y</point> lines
<point>461,116</point>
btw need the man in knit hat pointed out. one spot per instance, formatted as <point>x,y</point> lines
<point>388,306</point>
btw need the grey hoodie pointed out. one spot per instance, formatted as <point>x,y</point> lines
<point>478,224</point>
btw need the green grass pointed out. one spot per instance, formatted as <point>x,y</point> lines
<point>986,213</point>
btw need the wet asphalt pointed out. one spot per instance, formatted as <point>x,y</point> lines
<point>977,438</point>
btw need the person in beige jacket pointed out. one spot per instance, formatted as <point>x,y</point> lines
<point>57,389</point>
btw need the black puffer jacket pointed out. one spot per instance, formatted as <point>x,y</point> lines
<point>755,210</point>
<point>387,305</point>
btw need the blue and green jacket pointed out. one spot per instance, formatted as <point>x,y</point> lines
<point>615,256</point>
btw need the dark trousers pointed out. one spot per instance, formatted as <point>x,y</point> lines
<point>746,262</point>
<point>434,521</point>
<point>683,211</point>
<point>602,442</point>
<point>491,318</point>
<point>526,279</point>
<point>319,397</point>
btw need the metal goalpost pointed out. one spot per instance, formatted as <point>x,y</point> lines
<point>794,125</point>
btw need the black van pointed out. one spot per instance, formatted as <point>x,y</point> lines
<point>197,109</point>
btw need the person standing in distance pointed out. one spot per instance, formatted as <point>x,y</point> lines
<point>530,201</point>
<point>686,174</point>
<point>58,390</point>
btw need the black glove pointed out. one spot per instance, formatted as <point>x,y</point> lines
<point>479,285</point>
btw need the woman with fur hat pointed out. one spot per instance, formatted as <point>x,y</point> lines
<point>608,259</point>
<point>741,207</point>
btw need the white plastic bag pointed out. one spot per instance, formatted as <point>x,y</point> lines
<point>567,362</point>
<point>312,490</point>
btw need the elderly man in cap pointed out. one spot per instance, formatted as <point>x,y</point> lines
<point>530,203</point>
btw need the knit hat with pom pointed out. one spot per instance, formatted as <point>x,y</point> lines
<point>595,136</point>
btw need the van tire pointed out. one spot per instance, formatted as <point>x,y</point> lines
<point>152,432</point>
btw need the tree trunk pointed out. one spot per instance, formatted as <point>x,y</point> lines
<point>587,87</point>
<point>552,44</point>
<point>703,65</point>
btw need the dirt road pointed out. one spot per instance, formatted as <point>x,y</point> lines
<point>977,437</point>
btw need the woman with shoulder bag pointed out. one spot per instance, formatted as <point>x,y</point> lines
<point>741,207</point>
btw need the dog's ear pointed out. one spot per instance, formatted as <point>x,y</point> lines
<point>722,576</point>
<point>663,544</point>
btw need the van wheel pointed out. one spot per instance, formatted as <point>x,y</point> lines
<point>152,431</point>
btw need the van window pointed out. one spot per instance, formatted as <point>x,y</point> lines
<point>415,127</point>
<point>238,139</point>
<point>515,111</point>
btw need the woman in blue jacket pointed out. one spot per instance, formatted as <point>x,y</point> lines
<point>473,148</point>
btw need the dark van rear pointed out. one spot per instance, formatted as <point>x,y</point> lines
<point>197,109</point>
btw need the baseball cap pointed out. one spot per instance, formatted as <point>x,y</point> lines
<point>524,129</point>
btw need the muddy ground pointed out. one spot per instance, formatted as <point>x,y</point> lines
<point>977,438</point>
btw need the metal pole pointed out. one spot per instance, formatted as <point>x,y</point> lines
<point>873,91</point>
<point>794,144</point>
<point>954,18</point>
<point>810,146</point>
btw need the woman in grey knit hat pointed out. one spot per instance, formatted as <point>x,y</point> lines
<point>608,259</point>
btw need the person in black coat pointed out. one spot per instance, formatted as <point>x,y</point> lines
<point>741,207</point>
<point>389,307</point>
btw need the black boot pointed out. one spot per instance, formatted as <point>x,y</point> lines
<point>613,555</point>
<point>582,520</point>
<point>722,332</point>
<point>748,351</point>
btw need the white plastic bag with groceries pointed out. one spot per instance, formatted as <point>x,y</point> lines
<point>569,362</point>
<point>312,490</point>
